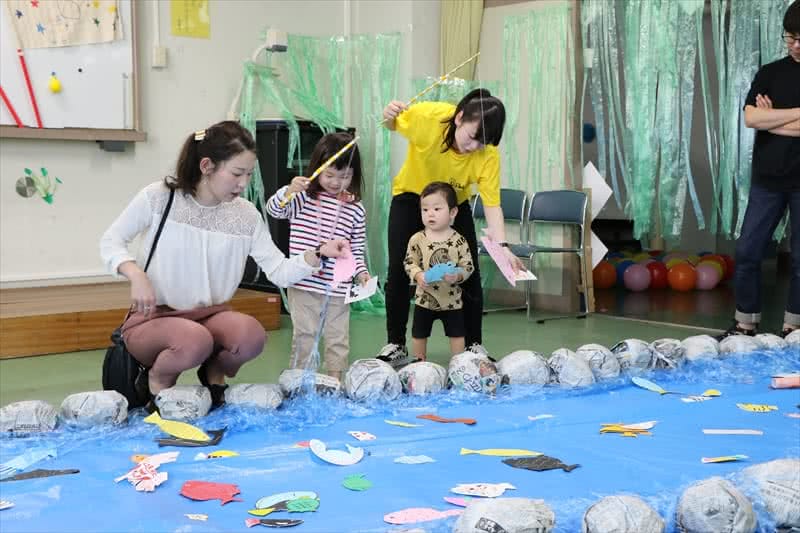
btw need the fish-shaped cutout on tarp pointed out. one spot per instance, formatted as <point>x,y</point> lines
<point>357,482</point>
<point>198,517</point>
<point>216,436</point>
<point>39,473</point>
<point>336,457</point>
<point>484,490</point>
<point>262,512</point>
<point>501,452</point>
<point>272,522</point>
<point>26,460</point>
<point>723,459</point>
<point>437,418</point>
<point>145,476</point>
<point>402,424</point>
<point>414,459</point>
<point>5,504</point>
<point>207,490</point>
<point>539,464</point>
<point>302,505</point>
<point>415,515</point>
<point>361,435</point>
<point>649,385</point>
<point>275,500</point>
<point>460,502</point>
<point>179,430</point>
<point>757,407</point>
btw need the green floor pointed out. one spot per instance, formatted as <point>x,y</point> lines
<point>52,377</point>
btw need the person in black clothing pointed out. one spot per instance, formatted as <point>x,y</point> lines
<point>772,108</point>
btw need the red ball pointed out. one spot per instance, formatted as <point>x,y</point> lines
<point>682,277</point>
<point>730,267</point>
<point>658,275</point>
<point>604,275</point>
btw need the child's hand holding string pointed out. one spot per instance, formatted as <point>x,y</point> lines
<point>298,184</point>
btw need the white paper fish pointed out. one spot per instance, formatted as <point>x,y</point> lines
<point>200,517</point>
<point>145,476</point>
<point>269,501</point>
<point>414,459</point>
<point>540,417</point>
<point>5,504</point>
<point>336,457</point>
<point>484,490</point>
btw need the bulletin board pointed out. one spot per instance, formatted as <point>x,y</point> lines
<point>81,63</point>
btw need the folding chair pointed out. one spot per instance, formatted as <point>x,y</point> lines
<point>513,202</point>
<point>564,207</point>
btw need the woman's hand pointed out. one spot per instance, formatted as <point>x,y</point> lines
<point>763,101</point>
<point>143,296</point>
<point>335,248</point>
<point>516,262</point>
<point>392,109</point>
<point>298,184</point>
<point>363,278</point>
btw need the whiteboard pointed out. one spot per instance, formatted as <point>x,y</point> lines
<point>96,79</point>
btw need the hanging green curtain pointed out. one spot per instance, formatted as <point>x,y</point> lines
<point>460,32</point>
<point>309,81</point>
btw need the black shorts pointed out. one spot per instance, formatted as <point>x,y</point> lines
<point>453,322</point>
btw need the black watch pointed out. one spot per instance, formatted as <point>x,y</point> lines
<point>504,244</point>
<point>318,252</point>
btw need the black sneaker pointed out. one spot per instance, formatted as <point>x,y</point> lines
<point>736,330</point>
<point>396,355</point>
<point>785,333</point>
<point>478,348</point>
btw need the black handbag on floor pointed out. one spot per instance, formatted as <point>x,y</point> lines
<point>121,371</point>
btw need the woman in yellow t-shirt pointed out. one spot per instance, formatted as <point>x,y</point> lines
<point>456,145</point>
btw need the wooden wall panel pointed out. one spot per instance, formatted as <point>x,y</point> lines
<point>40,334</point>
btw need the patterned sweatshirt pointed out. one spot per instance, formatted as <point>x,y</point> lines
<point>423,253</point>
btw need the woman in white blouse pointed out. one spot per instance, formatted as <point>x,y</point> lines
<point>180,316</point>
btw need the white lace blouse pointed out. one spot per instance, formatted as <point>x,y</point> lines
<point>202,251</point>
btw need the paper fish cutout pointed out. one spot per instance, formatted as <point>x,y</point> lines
<point>414,515</point>
<point>649,385</point>
<point>39,473</point>
<point>539,464</point>
<point>273,522</point>
<point>198,517</point>
<point>437,418</point>
<point>145,477</point>
<point>336,457</point>
<point>501,452</point>
<point>694,399</point>
<point>302,444</point>
<point>356,482</point>
<point>723,459</point>
<point>629,430</point>
<point>438,271</point>
<point>733,432</point>
<point>362,435</point>
<point>273,501</point>
<point>344,268</point>
<point>540,417</point>
<point>461,502</point>
<point>138,458</point>
<point>484,490</point>
<point>414,459</point>
<point>26,460</point>
<point>216,436</point>
<point>207,490</point>
<point>786,381</point>
<point>793,415</point>
<point>357,292</point>
<point>757,407</point>
<point>402,424</point>
<point>5,504</point>
<point>712,393</point>
<point>215,455</point>
<point>261,512</point>
<point>180,430</point>
<point>302,505</point>
<point>504,263</point>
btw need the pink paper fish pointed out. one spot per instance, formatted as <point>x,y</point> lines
<point>207,490</point>
<point>419,514</point>
<point>344,268</point>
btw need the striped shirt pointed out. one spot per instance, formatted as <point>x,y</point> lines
<point>311,222</point>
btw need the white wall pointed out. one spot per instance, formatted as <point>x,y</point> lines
<point>45,244</point>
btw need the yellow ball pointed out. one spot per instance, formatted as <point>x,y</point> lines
<point>672,262</point>
<point>693,259</point>
<point>54,84</point>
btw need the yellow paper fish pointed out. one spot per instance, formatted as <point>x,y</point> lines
<point>261,512</point>
<point>180,430</point>
<point>757,407</point>
<point>221,453</point>
<point>723,459</point>
<point>501,452</point>
<point>712,393</point>
<point>402,424</point>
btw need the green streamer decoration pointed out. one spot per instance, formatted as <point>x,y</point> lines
<point>320,78</point>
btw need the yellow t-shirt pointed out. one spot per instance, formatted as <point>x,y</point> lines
<point>422,124</point>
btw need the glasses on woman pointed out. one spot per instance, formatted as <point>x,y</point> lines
<point>790,39</point>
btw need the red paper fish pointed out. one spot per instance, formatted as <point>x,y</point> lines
<point>206,490</point>
<point>437,418</point>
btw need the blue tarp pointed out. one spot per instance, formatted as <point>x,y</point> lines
<point>657,467</point>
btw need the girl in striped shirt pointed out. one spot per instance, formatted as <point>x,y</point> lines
<point>320,210</point>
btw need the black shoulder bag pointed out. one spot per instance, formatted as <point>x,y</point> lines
<point>121,371</point>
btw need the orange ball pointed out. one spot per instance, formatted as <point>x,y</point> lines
<point>674,261</point>
<point>682,277</point>
<point>604,275</point>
